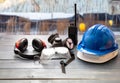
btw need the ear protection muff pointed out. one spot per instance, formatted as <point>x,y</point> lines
<point>21,46</point>
<point>56,41</point>
<point>38,45</point>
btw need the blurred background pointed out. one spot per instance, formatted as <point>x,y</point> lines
<point>50,16</point>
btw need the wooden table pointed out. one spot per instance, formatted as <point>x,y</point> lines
<point>16,70</point>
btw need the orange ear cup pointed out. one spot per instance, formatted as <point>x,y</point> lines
<point>22,44</point>
<point>17,44</point>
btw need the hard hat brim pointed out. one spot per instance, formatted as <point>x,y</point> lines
<point>97,59</point>
<point>97,53</point>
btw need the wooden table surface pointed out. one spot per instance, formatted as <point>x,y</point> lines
<point>17,70</point>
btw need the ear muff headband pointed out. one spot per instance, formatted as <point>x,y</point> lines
<point>31,57</point>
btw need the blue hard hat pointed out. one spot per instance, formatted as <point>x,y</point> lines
<point>98,40</point>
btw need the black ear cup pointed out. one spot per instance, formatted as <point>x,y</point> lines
<point>52,38</point>
<point>22,44</point>
<point>57,42</point>
<point>68,43</point>
<point>38,45</point>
